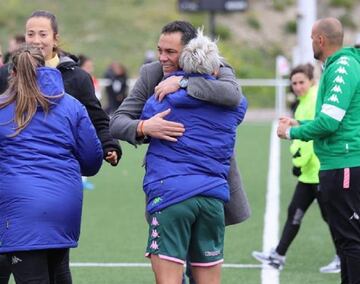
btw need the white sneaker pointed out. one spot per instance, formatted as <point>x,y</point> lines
<point>273,258</point>
<point>332,267</point>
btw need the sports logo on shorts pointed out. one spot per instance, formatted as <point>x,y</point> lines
<point>212,253</point>
<point>154,222</point>
<point>15,260</point>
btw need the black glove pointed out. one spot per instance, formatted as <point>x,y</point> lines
<point>296,171</point>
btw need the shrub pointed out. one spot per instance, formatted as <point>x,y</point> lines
<point>253,22</point>
<point>291,27</point>
<point>343,3</point>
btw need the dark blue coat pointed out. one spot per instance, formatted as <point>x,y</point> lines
<point>198,163</point>
<point>40,171</point>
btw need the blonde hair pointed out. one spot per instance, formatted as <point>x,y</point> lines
<point>23,88</point>
<point>200,55</point>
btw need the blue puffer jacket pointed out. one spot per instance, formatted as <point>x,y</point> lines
<point>40,171</point>
<point>198,163</point>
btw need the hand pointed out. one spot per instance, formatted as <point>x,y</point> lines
<point>282,128</point>
<point>289,121</point>
<point>160,128</point>
<point>112,158</point>
<point>168,86</point>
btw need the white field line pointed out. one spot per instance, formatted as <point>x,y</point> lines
<point>134,264</point>
<point>271,218</point>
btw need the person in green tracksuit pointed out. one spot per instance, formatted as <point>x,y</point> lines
<point>305,167</point>
<point>336,134</point>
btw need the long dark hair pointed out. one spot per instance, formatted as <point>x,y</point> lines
<point>23,88</point>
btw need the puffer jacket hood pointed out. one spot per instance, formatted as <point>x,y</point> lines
<point>50,81</point>
<point>68,61</point>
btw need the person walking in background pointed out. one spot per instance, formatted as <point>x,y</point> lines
<point>42,31</point>
<point>190,175</point>
<point>125,123</point>
<point>305,167</point>
<point>335,131</point>
<point>41,126</point>
<point>117,88</point>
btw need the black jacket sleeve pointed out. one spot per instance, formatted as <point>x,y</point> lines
<point>80,86</point>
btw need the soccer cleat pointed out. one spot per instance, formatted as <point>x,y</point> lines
<point>273,259</point>
<point>332,267</point>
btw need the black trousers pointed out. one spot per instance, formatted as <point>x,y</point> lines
<point>303,197</point>
<point>5,269</point>
<point>341,197</point>
<point>40,266</point>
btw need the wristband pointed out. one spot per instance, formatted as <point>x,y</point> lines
<point>287,133</point>
<point>142,129</point>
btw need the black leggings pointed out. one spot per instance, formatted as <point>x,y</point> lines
<point>304,195</point>
<point>5,269</point>
<point>40,266</point>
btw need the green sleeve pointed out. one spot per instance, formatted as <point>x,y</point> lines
<point>336,94</point>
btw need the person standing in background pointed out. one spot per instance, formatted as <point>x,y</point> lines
<point>14,43</point>
<point>87,65</point>
<point>117,89</point>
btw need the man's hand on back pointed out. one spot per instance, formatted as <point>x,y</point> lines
<point>160,128</point>
<point>168,86</point>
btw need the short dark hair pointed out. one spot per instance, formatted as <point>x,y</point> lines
<point>307,69</point>
<point>188,30</point>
